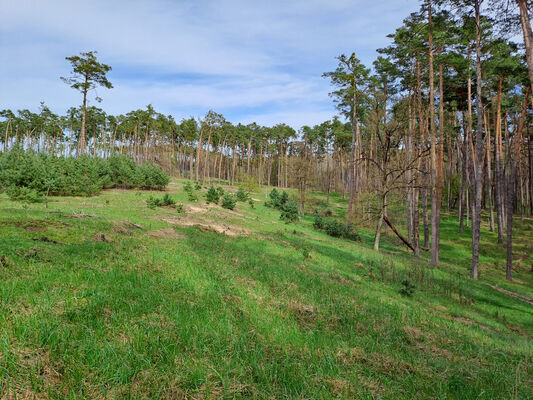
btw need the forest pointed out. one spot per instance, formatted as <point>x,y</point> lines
<point>432,142</point>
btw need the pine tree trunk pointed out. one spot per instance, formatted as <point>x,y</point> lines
<point>478,153</point>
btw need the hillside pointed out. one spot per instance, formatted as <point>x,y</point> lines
<point>103,297</point>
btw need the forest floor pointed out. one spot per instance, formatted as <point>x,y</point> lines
<point>104,298</point>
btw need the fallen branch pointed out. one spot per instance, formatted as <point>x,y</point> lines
<point>403,239</point>
<point>512,294</point>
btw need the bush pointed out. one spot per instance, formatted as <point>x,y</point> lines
<point>242,195</point>
<point>318,222</point>
<point>273,198</point>
<point>197,186</point>
<point>251,203</point>
<point>229,201</point>
<point>283,198</point>
<point>334,228</point>
<point>165,201</point>
<point>212,196</point>
<point>289,211</point>
<point>277,199</point>
<point>152,177</point>
<point>220,191</point>
<point>188,187</point>
<point>408,288</point>
<point>25,175</point>
<point>180,208</point>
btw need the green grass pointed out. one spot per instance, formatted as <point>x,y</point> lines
<point>188,313</point>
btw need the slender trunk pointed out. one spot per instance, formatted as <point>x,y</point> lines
<point>81,145</point>
<point>351,176</point>
<point>478,154</point>
<point>528,37</point>
<point>498,163</point>
<point>488,156</point>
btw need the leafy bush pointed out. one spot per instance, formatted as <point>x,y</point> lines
<point>289,211</point>
<point>25,175</point>
<point>408,288</point>
<point>165,201</point>
<point>220,191</point>
<point>334,228</point>
<point>212,196</point>
<point>149,176</point>
<point>229,201</point>
<point>242,195</point>
<point>197,186</point>
<point>283,198</point>
<point>251,203</point>
<point>273,198</point>
<point>318,222</point>
<point>188,187</point>
<point>277,199</point>
<point>180,208</point>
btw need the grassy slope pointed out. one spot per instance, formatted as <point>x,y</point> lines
<point>203,315</point>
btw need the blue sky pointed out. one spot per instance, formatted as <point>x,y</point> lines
<point>253,61</point>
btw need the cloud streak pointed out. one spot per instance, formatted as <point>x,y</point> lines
<point>249,60</point>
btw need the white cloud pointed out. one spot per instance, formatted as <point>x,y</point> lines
<point>250,59</point>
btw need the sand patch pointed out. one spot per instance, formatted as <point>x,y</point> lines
<point>206,226</point>
<point>167,233</point>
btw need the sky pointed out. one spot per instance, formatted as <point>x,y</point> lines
<point>252,61</point>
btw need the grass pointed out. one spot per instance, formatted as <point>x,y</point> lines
<point>94,307</point>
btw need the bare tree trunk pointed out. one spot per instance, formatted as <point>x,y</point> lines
<point>528,37</point>
<point>478,154</point>
<point>489,175</point>
<point>498,164</point>
<point>83,118</point>
<point>433,141</point>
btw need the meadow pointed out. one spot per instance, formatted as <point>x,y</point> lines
<point>106,298</point>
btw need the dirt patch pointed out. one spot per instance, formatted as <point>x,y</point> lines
<point>100,237</point>
<point>207,226</point>
<point>512,294</point>
<point>38,364</point>
<point>121,230</point>
<point>130,224</point>
<point>464,320</point>
<point>167,233</point>
<point>413,332</point>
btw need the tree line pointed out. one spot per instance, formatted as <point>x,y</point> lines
<point>442,119</point>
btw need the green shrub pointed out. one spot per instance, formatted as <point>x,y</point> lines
<point>251,203</point>
<point>335,228</point>
<point>149,176</point>
<point>220,191</point>
<point>180,208</point>
<point>408,288</point>
<point>197,186</point>
<point>188,187</point>
<point>277,199</point>
<point>229,201</point>
<point>283,198</point>
<point>165,201</point>
<point>289,211</point>
<point>212,196</point>
<point>24,194</point>
<point>273,198</point>
<point>242,195</point>
<point>318,222</point>
<point>25,175</point>
<point>153,202</point>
